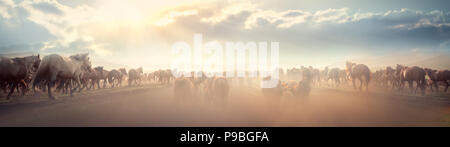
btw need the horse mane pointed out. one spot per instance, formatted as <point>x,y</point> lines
<point>19,60</point>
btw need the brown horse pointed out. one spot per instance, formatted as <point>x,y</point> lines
<point>18,70</point>
<point>102,74</point>
<point>113,76</point>
<point>417,74</point>
<point>116,75</point>
<point>90,78</point>
<point>55,67</point>
<point>438,76</point>
<point>360,72</point>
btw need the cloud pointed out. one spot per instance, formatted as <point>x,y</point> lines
<point>68,25</point>
<point>5,6</point>
<point>402,28</point>
<point>48,7</point>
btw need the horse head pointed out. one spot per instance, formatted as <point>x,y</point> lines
<point>348,68</point>
<point>99,68</point>
<point>84,60</point>
<point>349,65</point>
<point>19,61</point>
<point>36,61</point>
<point>32,63</point>
<point>399,68</point>
<point>123,71</point>
<point>431,73</point>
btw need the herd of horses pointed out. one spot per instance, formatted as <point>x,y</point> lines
<point>388,78</point>
<point>56,73</point>
<point>64,74</point>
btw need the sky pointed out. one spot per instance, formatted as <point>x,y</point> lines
<point>140,33</point>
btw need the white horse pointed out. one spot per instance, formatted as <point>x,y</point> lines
<point>55,67</point>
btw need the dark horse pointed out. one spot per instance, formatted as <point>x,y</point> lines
<point>18,70</point>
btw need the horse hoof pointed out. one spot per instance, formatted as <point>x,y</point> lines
<point>52,98</point>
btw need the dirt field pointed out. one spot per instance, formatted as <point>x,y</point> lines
<point>153,105</point>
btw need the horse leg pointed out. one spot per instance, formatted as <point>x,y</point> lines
<point>338,82</point>
<point>24,88</point>
<point>79,86</point>
<point>401,85</point>
<point>104,83</point>
<point>353,81</point>
<point>431,86</point>
<point>84,85</point>
<point>67,85</point>
<point>111,83</point>
<point>50,83</point>
<point>60,87</point>
<point>422,86</point>
<point>367,85</point>
<point>93,84</point>
<point>17,88</point>
<point>49,86</point>
<point>417,86</point>
<point>63,85</point>
<point>14,85</point>
<point>446,86</point>
<point>360,83</point>
<point>43,87</point>
<point>410,83</point>
<point>436,85</point>
<point>393,85</point>
<point>77,82</point>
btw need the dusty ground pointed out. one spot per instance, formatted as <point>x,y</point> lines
<point>153,105</point>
